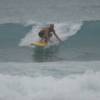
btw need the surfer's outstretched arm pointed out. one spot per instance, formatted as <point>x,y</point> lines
<point>57,36</point>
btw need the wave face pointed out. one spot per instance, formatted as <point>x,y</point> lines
<point>63,30</point>
<point>81,42</point>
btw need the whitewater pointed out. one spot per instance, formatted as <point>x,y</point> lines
<point>64,71</point>
<point>61,29</point>
<point>31,81</point>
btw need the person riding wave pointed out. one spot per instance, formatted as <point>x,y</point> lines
<point>46,33</point>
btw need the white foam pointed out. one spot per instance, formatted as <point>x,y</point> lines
<point>55,69</point>
<point>64,31</point>
<point>73,87</point>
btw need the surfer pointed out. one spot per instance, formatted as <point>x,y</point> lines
<point>46,33</point>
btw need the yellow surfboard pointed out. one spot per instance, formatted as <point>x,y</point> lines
<point>39,44</point>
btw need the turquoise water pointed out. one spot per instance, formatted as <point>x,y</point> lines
<point>83,46</point>
<point>66,71</point>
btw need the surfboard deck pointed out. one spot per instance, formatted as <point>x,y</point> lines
<point>39,44</point>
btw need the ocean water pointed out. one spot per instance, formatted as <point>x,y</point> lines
<point>65,71</point>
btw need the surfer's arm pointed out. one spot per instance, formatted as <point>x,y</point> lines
<point>57,36</point>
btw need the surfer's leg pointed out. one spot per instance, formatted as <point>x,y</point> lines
<point>47,38</point>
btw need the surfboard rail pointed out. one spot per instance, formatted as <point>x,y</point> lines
<point>39,44</point>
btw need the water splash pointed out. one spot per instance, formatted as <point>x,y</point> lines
<point>63,30</point>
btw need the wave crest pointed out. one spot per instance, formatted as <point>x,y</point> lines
<point>73,87</point>
<point>64,31</point>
